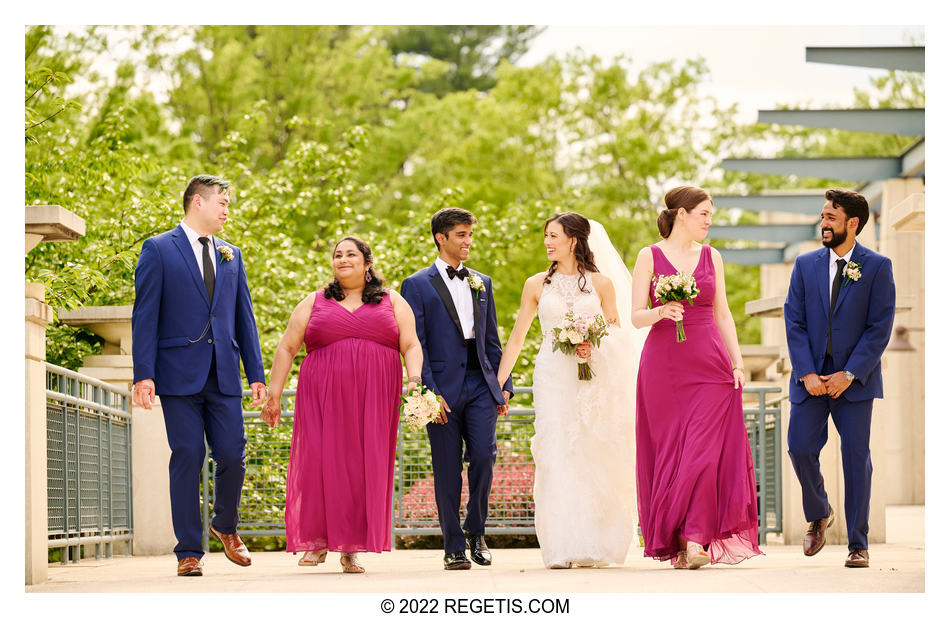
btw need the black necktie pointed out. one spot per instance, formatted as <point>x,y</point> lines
<point>208,266</point>
<point>461,273</point>
<point>835,288</point>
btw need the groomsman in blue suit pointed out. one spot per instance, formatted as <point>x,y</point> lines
<point>192,323</point>
<point>838,318</point>
<point>458,330</point>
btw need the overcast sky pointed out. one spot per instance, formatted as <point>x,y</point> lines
<point>756,66</point>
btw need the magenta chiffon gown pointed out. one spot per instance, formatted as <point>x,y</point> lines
<point>340,475</point>
<point>695,476</point>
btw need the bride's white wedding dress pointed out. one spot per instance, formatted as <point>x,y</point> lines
<point>583,447</point>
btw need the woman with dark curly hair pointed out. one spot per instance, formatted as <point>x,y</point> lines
<point>340,475</point>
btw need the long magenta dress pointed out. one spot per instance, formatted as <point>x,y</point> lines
<point>694,467</point>
<point>340,475</point>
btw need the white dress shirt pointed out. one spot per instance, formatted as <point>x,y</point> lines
<point>461,293</point>
<point>833,266</point>
<point>198,248</point>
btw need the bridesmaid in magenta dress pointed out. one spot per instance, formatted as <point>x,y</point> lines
<point>695,479</point>
<point>340,475</point>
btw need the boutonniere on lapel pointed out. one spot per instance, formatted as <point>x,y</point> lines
<point>475,282</point>
<point>227,254</point>
<point>852,272</point>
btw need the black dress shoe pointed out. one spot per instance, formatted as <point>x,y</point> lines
<point>456,560</point>
<point>478,548</point>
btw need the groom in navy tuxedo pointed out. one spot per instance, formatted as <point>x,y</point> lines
<point>456,324</point>
<point>192,323</point>
<point>838,318</point>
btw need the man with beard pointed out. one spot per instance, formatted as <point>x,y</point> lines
<point>838,318</point>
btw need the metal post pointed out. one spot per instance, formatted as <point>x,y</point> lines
<point>128,468</point>
<point>77,549</point>
<point>111,496</point>
<point>760,428</point>
<point>97,396</point>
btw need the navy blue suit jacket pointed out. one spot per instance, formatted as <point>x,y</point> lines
<point>175,326</point>
<point>861,325</point>
<point>440,333</point>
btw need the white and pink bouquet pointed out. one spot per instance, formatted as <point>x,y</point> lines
<point>573,330</point>
<point>678,287</point>
<point>420,407</point>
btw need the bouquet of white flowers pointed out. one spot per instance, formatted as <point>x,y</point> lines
<point>573,330</point>
<point>678,287</point>
<point>420,407</point>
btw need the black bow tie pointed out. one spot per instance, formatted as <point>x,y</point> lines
<point>461,273</point>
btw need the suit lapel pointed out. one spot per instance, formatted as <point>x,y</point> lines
<point>477,311</point>
<point>823,278</point>
<point>181,241</point>
<point>435,278</point>
<point>856,256</point>
<point>220,269</point>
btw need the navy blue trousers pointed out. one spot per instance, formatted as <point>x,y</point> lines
<point>471,421</point>
<point>188,419</point>
<point>807,435</point>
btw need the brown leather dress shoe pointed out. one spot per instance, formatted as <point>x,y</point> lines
<point>815,535</point>
<point>234,547</point>
<point>857,558</point>
<point>189,566</point>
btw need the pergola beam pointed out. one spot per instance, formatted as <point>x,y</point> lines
<point>898,58</point>
<point>890,121</point>
<point>844,168</point>
<point>775,232</point>
<point>799,203</point>
<point>753,257</point>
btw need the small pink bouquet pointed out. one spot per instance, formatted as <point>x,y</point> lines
<point>573,330</point>
<point>678,287</point>
<point>420,407</point>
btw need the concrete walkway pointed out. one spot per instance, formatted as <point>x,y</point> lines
<point>897,566</point>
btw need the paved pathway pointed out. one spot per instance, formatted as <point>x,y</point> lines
<point>897,566</point>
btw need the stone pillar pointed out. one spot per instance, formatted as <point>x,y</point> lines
<point>38,315</point>
<point>42,224</point>
<point>152,530</point>
<point>901,412</point>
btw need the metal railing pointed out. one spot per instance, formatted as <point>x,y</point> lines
<point>511,508</point>
<point>764,428</point>
<point>89,464</point>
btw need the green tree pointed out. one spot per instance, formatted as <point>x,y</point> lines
<point>472,53</point>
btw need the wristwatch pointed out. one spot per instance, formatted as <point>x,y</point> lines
<point>848,375</point>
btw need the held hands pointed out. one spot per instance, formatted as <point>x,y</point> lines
<point>672,310</point>
<point>445,409</point>
<point>584,350</point>
<point>258,392</point>
<point>143,394</point>
<point>835,384</point>
<point>503,410</point>
<point>270,414</point>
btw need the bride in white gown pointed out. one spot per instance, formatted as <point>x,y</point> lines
<point>583,447</point>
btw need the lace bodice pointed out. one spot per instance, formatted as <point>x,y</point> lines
<point>564,294</point>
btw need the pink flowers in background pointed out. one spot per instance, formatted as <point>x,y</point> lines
<point>678,287</point>
<point>511,493</point>
<point>573,330</point>
<point>420,407</point>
